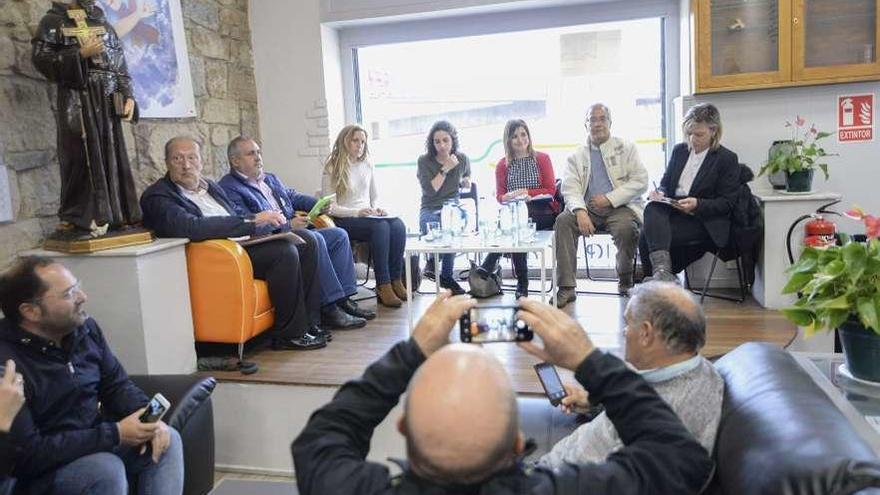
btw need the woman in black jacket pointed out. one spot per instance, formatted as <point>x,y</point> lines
<point>698,191</point>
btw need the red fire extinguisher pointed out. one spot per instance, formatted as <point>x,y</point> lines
<point>819,232</point>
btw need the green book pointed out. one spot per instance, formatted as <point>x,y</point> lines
<point>319,205</point>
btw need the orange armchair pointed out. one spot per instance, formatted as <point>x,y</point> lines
<point>229,306</point>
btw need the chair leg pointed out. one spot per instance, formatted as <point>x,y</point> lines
<point>591,277</point>
<point>241,351</point>
<point>709,277</point>
<point>704,292</point>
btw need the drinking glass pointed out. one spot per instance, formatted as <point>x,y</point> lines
<point>434,233</point>
<point>530,230</point>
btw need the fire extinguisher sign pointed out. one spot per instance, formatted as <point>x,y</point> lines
<point>855,118</point>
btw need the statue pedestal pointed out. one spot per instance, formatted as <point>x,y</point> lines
<point>140,297</point>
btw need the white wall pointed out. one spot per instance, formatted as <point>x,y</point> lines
<point>288,65</point>
<point>754,119</point>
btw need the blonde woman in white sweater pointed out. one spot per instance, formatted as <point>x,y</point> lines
<point>349,174</point>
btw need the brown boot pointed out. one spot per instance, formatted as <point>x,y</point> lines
<point>385,295</point>
<point>399,289</point>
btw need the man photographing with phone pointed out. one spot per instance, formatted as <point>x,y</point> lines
<point>461,425</point>
<point>66,444</point>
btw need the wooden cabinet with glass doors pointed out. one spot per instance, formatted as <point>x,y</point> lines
<point>751,44</point>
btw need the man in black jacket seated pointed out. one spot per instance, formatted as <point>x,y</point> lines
<point>80,429</point>
<point>461,421</point>
<point>185,204</point>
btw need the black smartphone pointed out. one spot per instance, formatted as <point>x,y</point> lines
<point>550,381</point>
<point>156,408</point>
<point>493,323</point>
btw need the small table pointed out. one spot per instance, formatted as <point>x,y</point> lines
<point>543,241</point>
<point>859,402</point>
<point>780,211</point>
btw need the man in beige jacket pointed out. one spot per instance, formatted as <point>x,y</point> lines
<point>603,186</point>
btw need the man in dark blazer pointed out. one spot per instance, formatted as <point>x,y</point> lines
<point>697,194</point>
<point>252,190</point>
<point>185,204</point>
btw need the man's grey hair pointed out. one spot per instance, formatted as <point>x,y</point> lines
<point>673,312</point>
<point>595,106</point>
<point>232,151</point>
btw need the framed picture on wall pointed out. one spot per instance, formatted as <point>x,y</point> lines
<point>155,49</point>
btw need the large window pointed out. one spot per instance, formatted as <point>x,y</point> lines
<point>547,77</point>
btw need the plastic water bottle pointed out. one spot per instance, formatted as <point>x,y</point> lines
<point>505,220</point>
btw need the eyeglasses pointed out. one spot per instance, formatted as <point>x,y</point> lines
<point>68,295</point>
<point>597,120</point>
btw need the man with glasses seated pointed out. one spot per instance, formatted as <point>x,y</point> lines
<point>80,429</point>
<point>184,204</point>
<point>602,187</point>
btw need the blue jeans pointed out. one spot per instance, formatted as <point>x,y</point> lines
<point>335,265</point>
<point>387,238</point>
<point>108,472</point>
<point>447,261</point>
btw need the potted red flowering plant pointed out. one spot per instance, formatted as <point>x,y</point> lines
<point>839,287</point>
<point>799,156</point>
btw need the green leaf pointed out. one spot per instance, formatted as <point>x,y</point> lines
<point>856,258</point>
<point>836,303</point>
<point>822,135</point>
<point>837,317</point>
<point>798,316</point>
<point>868,313</point>
<point>824,168</point>
<point>797,282</point>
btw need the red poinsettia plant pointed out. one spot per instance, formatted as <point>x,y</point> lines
<point>839,283</point>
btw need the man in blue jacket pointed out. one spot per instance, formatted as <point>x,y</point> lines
<point>184,204</point>
<point>251,190</point>
<point>79,430</point>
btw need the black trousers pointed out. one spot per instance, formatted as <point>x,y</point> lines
<point>668,229</point>
<point>294,290</point>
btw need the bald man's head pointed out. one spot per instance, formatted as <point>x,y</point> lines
<point>461,418</point>
<point>673,313</point>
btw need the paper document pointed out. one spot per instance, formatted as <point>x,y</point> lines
<point>259,239</point>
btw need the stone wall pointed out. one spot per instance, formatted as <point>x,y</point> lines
<point>221,63</point>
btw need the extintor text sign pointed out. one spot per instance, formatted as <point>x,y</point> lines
<point>855,118</point>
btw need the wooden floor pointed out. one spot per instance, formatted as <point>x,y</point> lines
<point>729,324</point>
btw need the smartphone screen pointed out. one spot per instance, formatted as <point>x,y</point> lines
<point>550,381</point>
<point>155,409</point>
<point>493,323</point>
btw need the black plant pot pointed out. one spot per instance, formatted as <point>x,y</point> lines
<point>799,181</point>
<point>861,347</point>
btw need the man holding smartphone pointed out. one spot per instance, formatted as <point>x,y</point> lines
<point>461,425</point>
<point>65,443</point>
<point>665,330</point>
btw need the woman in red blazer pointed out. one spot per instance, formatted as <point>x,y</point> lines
<point>524,172</point>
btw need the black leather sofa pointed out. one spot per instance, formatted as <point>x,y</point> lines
<point>780,434</point>
<point>192,415</point>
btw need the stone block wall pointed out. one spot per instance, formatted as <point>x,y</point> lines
<point>221,64</point>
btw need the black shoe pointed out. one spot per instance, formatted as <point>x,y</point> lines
<point>304,342</point>
<point>352,308</point>
<point>522,290</point>
<point>334,317</point>
<point>452,285</point>
<point>429,271</point>
<point>320,332</point>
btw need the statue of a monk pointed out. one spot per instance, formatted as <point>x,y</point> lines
<point>78,49</point>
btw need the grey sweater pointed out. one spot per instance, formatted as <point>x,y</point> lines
<point>695,395</point>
